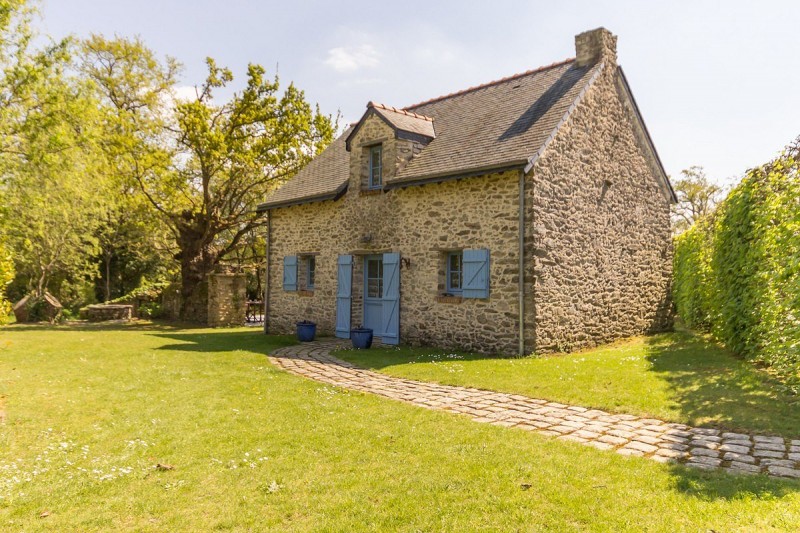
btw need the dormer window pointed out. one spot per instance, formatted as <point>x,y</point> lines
<point>375,167</point>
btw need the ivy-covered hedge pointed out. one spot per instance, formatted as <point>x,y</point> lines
<point>737,272</point>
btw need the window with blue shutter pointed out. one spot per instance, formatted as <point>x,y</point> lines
<point>475,273</point>
<point>290,273</point>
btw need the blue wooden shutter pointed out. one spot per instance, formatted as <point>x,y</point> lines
<point>290,273</point>
<point>476,274</point>
<point>344,289</point>
<point>391,298</point>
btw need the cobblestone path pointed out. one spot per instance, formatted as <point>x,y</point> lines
<point>626,434</point>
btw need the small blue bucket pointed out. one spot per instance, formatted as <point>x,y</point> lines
<point>306,331</point>
<point>361,338</point>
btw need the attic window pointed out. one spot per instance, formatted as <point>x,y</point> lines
<point>375,167</point>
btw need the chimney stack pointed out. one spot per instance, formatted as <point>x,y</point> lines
<point>595,45</point>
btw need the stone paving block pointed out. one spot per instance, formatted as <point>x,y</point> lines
<point>600,445</point>
<point>703,460</point>
<point>777,462</point>
<point>675,454</point>
<point>794,456</point>
<point>674,438</point>
<point>784,472</point>
<point>611,439</point>
<point>775,447</point>
<point>704,452</point>
<point>740,457</point>
<point>735,436</point>
<point>647,439</point>
<point>703,443</point>
<point>630,451</point>
<point>621,433</point>
<point>767,453</point>
<point>770,440</point>
<point>562,429</point>
<point>745,467</point>
<point>734,448</point>
<point>584,434</point>
<point>674,446</point>
<point>794,449</point>
<point>709,432</point>
<point>641,446</point>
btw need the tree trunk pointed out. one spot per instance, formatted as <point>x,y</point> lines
<point>108,277</point>
<point>197,261</point>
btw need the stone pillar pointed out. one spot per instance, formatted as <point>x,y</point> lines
<point>227,299</point>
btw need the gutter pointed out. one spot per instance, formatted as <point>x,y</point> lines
<point>521,264</point>
<point>266,277</point>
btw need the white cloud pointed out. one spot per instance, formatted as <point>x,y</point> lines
<point>352,58</point>
<point>184,93</point>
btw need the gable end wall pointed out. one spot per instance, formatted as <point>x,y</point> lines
<point>599,229</point>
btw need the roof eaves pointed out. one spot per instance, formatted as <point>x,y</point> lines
<point>578,99</point>
<point>335,195</point>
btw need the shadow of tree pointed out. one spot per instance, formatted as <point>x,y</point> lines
<point>709,485</point>
<point>225,341</point>
<point>712,387</point>
<point>134,325</point>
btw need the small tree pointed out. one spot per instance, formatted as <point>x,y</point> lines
<point>697,197</point>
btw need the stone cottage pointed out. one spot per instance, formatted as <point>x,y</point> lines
<point>528,214</point>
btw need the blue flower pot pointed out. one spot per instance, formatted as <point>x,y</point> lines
<point>361,338</point>
<point>306,331</point>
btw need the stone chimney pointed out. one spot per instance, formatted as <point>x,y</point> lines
<point>595,45</point>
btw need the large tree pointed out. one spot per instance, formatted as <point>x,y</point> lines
<point>203,163</point>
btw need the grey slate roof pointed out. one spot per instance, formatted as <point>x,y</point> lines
<point>497,125</point>
<point>323,178</point>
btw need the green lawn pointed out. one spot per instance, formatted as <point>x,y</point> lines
<point>677,376</point>
<point>90,411</point>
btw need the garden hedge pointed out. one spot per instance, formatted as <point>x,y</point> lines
<point>737,272</point>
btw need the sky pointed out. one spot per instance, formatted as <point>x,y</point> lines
<point>716,81</point>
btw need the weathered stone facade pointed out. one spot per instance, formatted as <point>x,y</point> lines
<point>422,223</point>
<point>602,256</point>
<point>596,230</point>
<point>227,299</point>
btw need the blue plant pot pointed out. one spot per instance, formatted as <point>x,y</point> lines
<point>361,338</point>
<point>306,331</point>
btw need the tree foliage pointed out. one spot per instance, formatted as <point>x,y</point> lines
<point>737,272</point>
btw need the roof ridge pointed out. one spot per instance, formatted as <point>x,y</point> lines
<point>490,83</point>
<point>397,110</point>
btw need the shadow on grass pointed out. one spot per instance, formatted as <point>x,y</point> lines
<point>82,325</point>
<point>717,485</point>
<point>225,341</point>
<point>710,386</point>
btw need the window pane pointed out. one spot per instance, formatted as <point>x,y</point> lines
<point>312,267</point>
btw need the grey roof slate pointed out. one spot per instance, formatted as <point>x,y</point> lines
<point>497,125</point>
<point>323,178</point>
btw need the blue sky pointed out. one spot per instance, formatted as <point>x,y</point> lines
<point>717,82</point>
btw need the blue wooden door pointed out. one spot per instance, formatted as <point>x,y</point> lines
<point>373,294</point>
<point>344,290</point>
<point>391,298</point>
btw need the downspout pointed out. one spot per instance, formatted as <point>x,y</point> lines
<point>521,266</point>
<point>266,277</point>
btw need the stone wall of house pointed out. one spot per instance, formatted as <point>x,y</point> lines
<point>422,223</point>
<point>600,229</point>
<point>227,299</point>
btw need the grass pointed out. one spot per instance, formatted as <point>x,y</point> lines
<point>90,411</point>
<point>678,377</point>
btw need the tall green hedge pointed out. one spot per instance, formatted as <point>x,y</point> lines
<point>6,275</point>
<point>737,272</point>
